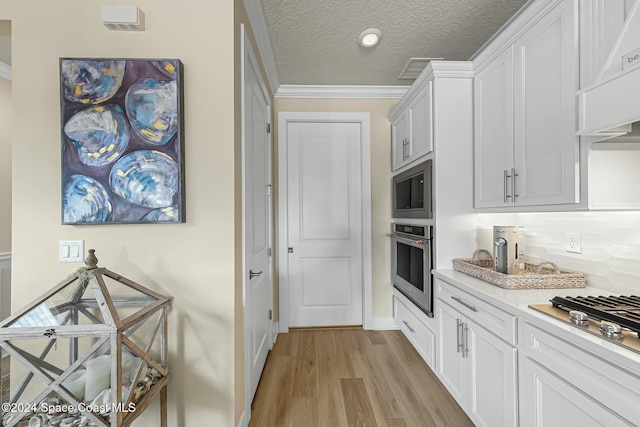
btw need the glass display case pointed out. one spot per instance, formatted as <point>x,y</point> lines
<point>90,352</point>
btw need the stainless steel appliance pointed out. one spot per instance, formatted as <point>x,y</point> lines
<point>412,192</point>
<point>508,248</point>
<point>412,258</point>
<point>614,318</point>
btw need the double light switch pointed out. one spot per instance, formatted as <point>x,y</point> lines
<point>71,251</point>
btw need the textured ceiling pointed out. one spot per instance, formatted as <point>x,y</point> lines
<point>315,41</point>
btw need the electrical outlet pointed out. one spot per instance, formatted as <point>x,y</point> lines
<point>573,243</point>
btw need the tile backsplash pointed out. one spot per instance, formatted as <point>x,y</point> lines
<point>610,243</point>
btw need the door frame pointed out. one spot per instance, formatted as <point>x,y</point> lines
<point>249,55</point>
<point>284,118</point>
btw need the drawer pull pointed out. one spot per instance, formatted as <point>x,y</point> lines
<point>408,326</point>
<point>466,304</point>
<point>459,343</point>
<point>465,341</point>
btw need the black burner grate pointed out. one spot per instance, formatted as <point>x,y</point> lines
<point>623,310</point>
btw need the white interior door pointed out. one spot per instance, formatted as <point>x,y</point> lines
<point>324,213</point>
<point>257,208</point>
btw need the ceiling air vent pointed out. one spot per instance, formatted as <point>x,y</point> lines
<point>414,67</point>
<point>122,18</point>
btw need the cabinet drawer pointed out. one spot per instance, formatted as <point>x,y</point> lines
<point>415,329</point>
<point>499,322</point>
<point>613,388</point>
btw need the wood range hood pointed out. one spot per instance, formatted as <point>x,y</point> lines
<point>608,107</point>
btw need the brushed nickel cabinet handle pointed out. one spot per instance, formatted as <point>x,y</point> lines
<point>507,196</point>
<point>409,326</point>
<point>465,339</point>
<point>466,304</point>
<point>459,345</point>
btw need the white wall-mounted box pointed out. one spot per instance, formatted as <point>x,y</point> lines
<point>123,18</point>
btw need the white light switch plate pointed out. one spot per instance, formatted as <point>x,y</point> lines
<point>71,251</point>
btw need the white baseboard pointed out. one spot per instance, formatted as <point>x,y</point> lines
<point>274,331</point>
<point>375,323</point>
<point>382,323</point>
<point>244,420</point>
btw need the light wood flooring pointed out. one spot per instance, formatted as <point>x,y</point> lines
<point>350,377</point>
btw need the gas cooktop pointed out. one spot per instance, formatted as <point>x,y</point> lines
<point>614,318</point>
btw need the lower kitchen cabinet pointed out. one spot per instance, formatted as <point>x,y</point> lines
<point>566,385</point>
<point>478,368</point>
<point>413,323</point>
<point>555,402</point>
<point>508,365</point>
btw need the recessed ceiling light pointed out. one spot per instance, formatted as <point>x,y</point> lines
<point>369,37</point>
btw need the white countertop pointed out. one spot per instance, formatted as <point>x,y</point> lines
<point>517,302</point>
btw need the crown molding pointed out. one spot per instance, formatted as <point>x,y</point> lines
<point>341,91</point>
<point>263,42</point>
<point>5,71</point>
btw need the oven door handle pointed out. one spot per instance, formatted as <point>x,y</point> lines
<point>412,242</point>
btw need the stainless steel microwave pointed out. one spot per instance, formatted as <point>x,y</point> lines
<point>412,192</point>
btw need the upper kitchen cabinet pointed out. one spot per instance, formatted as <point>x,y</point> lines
<point>412,125</point>
<point>493,88</point>
<point>526,151</point>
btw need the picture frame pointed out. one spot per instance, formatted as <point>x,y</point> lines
<point>122,141</point>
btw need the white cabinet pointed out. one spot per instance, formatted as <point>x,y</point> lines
<point>478,367</point>
<point>421,122</point>
<point>414,324</point>
<point>451,366</point>
<point>526,152</point>
<point>553,402</point>
<point>562,384</point>
<point>493,87</point>
<point>400,140</point>
<point>412,126</point>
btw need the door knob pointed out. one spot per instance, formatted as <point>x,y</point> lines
<point>253,274</point>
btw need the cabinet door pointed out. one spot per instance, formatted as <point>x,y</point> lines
<point>546,148</point>
<point>492,377</point>
<point>400,141</point>
<point>421,123</point>
<point>451,366</point>
<point>552,402</point>
<point>493,146</point>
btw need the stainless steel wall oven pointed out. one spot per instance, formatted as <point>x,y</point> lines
<point>412,260</point>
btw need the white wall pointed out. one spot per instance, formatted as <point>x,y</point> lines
<point>610,244</point>
<point>195,262</point>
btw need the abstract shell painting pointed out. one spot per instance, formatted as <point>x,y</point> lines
<point>122,143</point>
